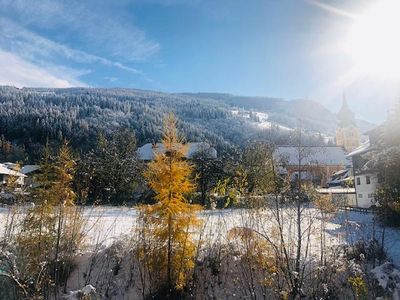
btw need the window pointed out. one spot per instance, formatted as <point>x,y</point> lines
<point>371,195</point>
<point>358,181</point>
<point>360,195</point>
<point>368,179</point>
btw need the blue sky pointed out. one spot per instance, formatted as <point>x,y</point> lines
<point>276,48</point>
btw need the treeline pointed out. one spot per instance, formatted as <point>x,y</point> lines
<point>112,173</point>
<point>29,118</point>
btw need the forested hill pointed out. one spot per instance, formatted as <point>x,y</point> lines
<point>30,116</point>
<point>313,115</point>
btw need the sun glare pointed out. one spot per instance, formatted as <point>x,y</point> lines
<point>374,40</point>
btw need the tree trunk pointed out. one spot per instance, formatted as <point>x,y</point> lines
<point>60,215</point>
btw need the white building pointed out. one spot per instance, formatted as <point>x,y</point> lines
<point>6,172</point>
<point>24,174</point>
<point>365,179</point>
<point>365,185</point>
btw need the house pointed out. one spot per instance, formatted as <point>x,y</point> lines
<point>148,151</point>
<point>24,173</point>
<point>313,163</point>
<point>366,179</point>
<point>342,178</point>
<point>30,171</point>
<point>366,184</point>
<point>6,172</point>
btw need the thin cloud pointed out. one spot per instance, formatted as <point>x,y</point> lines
<point>34,47</point>
<point>18,72</point>
<point>88,22</point>
<point>332,9</point>
<point>101,40</point>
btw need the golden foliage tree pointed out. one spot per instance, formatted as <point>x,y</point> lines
<point>51,230</point>
<point>170,220</point>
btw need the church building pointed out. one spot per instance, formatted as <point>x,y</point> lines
<point>347,133</point>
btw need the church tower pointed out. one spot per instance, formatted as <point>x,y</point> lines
<point>347,133</point>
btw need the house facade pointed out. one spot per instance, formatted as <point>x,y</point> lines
<point>315,164</point>
<point>6,172</point>
<point>365,187</point>
<point>23,174</point>
<point>366,180</point>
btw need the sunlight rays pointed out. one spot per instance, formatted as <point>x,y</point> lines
<point>374,42</point>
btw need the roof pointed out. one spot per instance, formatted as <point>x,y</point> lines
<point>148,151</point>
<point>313,155</point>
<point>341,172</point>
<point>363,148</point>
<point>6,171</point>
<point>29,169</point>
<point>336,190</point>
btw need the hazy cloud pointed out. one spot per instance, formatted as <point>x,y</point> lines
<point>91,23</point>
<point>18,72</point>
<point>30,32</point>
<point>34,47</point>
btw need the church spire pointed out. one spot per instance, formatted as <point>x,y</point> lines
<point>345,115</point>
<point>347,134</point>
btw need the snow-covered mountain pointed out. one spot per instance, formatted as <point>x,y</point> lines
<point>33,115</point>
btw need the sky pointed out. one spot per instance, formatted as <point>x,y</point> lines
<point>277,48</point>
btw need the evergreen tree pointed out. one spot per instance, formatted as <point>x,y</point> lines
<point>258,165</point>
<point>208,171</point>
<point>109,172</point>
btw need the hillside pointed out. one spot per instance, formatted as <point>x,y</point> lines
<point>30,116</point>
<point>313,115</point>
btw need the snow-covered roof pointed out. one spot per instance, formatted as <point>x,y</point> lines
<point>335,190</point>
<point>148,151</point>
<point>6,171</point>
<point>363,148</point>
<point>341,172</point>
<point>9,165</point>
<point>29,169</point>
<point>313,155</point>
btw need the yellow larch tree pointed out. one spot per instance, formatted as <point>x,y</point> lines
<point>52,229</point>
<point>171,219</point>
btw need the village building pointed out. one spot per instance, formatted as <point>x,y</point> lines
<point>148,151</point>
<point>6,172</point>
<point>366,180</point>
<point>24,173</point>
<point>315,164</point>
<point>347,133</point>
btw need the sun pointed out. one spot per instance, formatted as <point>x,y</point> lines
<point>374,40</point>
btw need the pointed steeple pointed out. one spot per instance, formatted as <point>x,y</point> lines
<point>345,115</point>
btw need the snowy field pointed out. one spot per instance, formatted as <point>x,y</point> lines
<point>106,224</point>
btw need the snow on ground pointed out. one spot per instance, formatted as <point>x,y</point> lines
<point>106,224</point>
<point>363,224</point>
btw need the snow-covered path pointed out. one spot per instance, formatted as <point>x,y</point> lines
<point>105,224</point>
